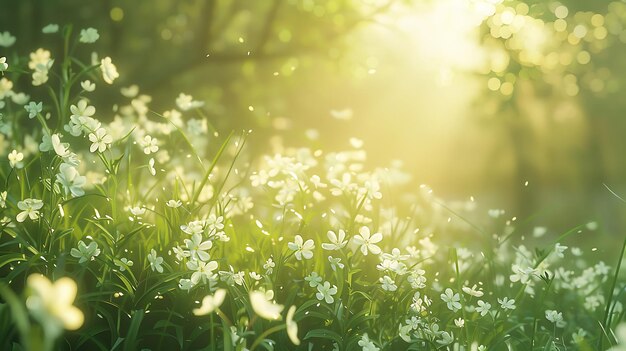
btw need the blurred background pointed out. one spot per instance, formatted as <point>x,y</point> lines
<point>519,104</point>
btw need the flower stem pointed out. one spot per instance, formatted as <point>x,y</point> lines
<point>266,333</point>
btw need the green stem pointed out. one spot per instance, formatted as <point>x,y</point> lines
<point>266,333</point>
<point>223,316</point>
<point>55,99</point>
<point>606,320</point>
<point>211,333</point>
<point>460,289</point>
<point>43,123</point>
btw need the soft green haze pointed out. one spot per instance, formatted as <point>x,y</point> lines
<point>249,175</point>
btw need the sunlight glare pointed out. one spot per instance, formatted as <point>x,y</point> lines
<point>446,33</point>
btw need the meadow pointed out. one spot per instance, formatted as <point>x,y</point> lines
<point>155,230</point>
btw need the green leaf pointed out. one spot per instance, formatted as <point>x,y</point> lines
<point>228,342</point>
<point>324,334</point>
<point>133,330</point>
<point>205,179</point>
<point>360,317</point>
<point>8,258</point>
<point>18,310</point>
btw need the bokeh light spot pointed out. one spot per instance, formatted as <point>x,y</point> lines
<point>117,14</point>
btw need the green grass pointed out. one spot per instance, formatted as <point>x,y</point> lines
<point>200,214</point>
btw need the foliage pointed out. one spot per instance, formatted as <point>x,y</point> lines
<point>176,239</point>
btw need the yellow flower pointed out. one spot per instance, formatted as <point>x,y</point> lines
<point>54,300</point>
<point>39,58</point>
<point>210,303</point>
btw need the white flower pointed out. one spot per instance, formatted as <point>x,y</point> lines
<point>507,304</point>
<point>51,28</point>
<point>326,292</point>
<point>451,299</point>
<point>151,166</point>
<point>368,242</point>
<point>367,344</point>
<point>3,199</point>
<point>89,35</point>
<point>82,110</point>
<point>392,265</point>
<point>579,336</point>
<point>6,88</point>
<point>264,307</point>
<point>336,242</point>
<point>302,249</point>
<point>559,250</point>
<point>194,227</point>
<point>85,252</point>
<point>40,77</point>
<point>495,213</point>
<point>395,255</point>
<point>30,209</point>
<point>343,114</point>
<point>46,142</point>
<point>20,98</point>
<point>174,203</point>
<point>292,327</point>
<point>180,253</point>
<point>100,140</point>
<point>539,231</point>
<point>137,211</point>
<point>6,39</point>
<point>74,127</point>
<point>335,262</point>
<point>473,291</point>
<point>403,332</point>
<point>109,71</point>
<point>417,279</point>
<point>149,144</point>
<point>521,274</point>
<point>314,279</point>
<point>459,322</point>
<point>210,303</point>
<point>388,284</point>
<point>15,159</point>
<point>203,270</point>
<point>3,64</point>
<point>40,62</point>
<point>446,338</point>
<point>238,278</point>
<point>185,284</point>
<point>130,92</point>
<point>40,73</point>
<point>88,86</point>
<point>33,109</point>
<point>214,223</point>
<point>155,261</point>
<point>197,248</point>
<point>269,266</point>
<point>123,263</point>
<point>483,307</point>
<point>186,102</point>
<point>71,181</point>
<point>555,317</point>
<point>371,188</point>
<point>54,300</point>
